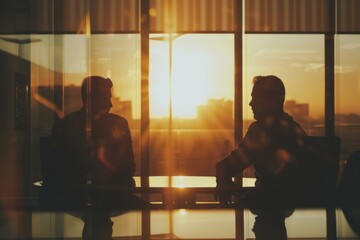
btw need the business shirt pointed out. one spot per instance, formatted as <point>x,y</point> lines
<point>274,147</point>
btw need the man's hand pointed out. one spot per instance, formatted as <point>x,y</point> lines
<point>224,195</point>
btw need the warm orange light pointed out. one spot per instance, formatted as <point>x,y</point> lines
<point>179,182</point>
<point>187,86</point>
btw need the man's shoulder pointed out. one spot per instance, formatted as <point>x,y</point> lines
<point>74,118</point>
<point>294,125</point>
<point>70,122</point>
<point>255,125</point>
<point>114,119</point>
<point>283,125</point>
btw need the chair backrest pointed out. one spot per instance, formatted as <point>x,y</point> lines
<point>349,184</point>
<point>349,191</point>
<point>49,166</point>
<point>322,158</point>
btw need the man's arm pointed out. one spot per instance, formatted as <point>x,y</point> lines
<point>126,169</point>
<point>226,169</point>
<point>231,165</point>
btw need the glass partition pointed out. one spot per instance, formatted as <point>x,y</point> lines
<point>191,102</point>
<point>176,81</point>
<point>347,70</point>
<point>299,61</point>
<point>59,65</point>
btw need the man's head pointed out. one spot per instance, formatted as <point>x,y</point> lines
<point>268,97</point>
<point>96,94</point>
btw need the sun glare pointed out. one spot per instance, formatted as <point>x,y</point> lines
<point>189,83</point>
<point>159,80</point>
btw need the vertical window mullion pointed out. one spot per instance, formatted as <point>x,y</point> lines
<point>145,113</point>
<point>330,101</point>
<point>330,72</point>
<point>238,102</point>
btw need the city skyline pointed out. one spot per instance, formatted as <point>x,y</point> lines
<point>221,110</point>
<point>203,68</point>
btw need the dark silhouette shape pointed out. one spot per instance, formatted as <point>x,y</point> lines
<point>273,145</point>
<point>349,190</point>
<point>90,148</point>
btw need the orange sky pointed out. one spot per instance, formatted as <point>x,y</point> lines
<point>203,67</point>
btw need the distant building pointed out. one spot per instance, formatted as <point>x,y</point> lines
<point>217,113</point>
<point>299,111</point>
<point>122,108</point>
<point>72,102</point>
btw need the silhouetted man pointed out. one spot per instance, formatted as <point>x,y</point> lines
<point>93,147</point>
<point>273,145</point>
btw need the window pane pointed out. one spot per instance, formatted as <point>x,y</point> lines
<point>195,130</point>
<point>299,61</point>
<point>348,92</point>
<point>59,65</point>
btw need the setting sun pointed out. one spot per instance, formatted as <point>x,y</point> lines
<point>197,74</point>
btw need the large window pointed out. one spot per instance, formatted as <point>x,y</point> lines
<point>191,102</point>
<point>182,73</point>
<point>59,65</point>
<point>299,61</point>
<point>347,70</point>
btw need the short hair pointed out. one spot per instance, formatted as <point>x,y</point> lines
<point>270,87</point>
<point>94,84</point>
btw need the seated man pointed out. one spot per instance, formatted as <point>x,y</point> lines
<point>274,146</point>
<point>92,147</point>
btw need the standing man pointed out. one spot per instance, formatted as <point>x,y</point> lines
<point>273,145</point>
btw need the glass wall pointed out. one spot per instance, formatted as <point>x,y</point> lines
<point>347,72</point>
<point>191,102</point>
<point>182,73</point>
<point>299,61</point>
<point>60,63</point>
